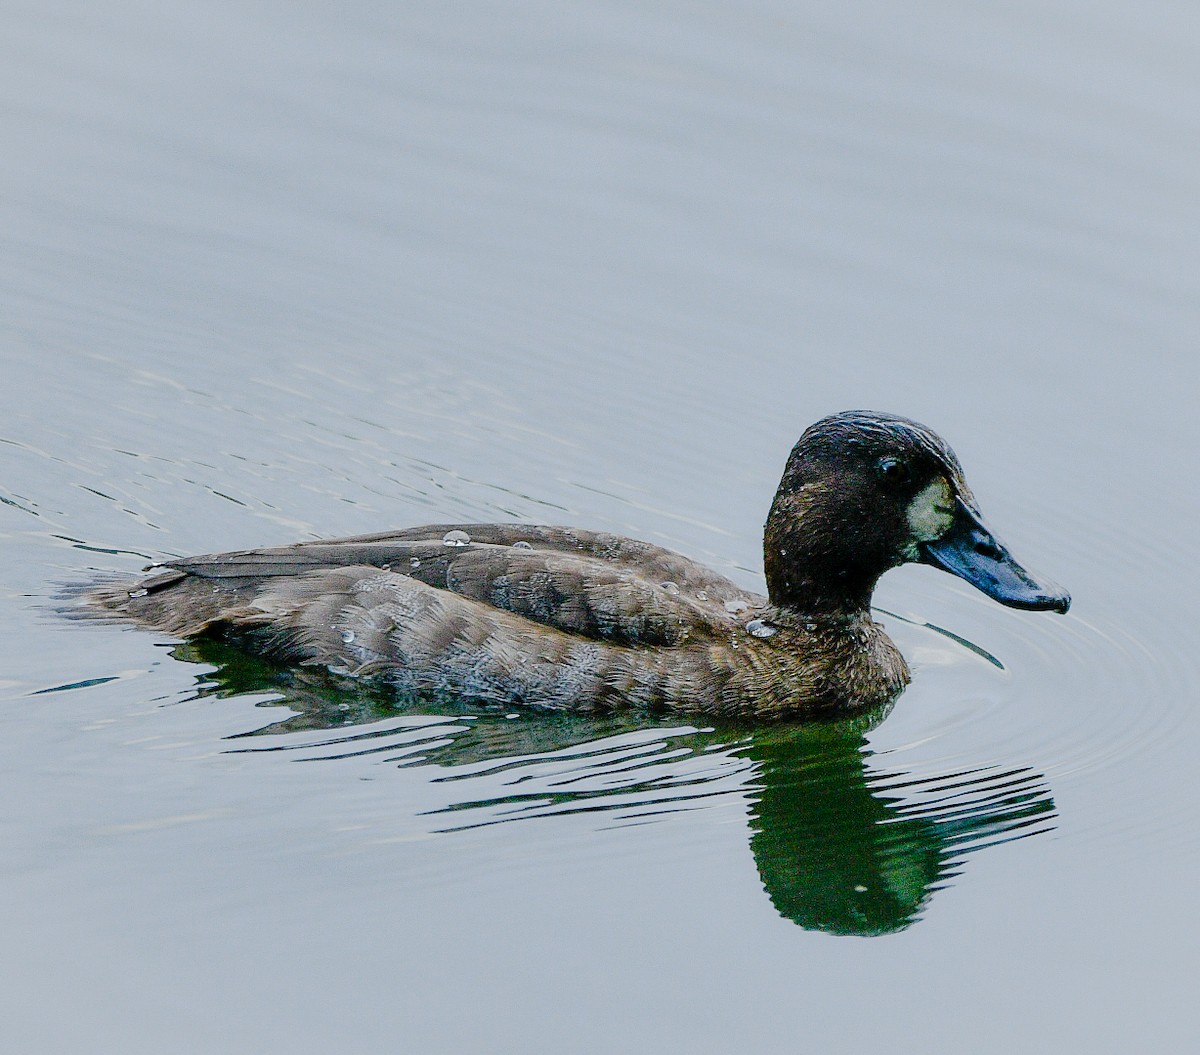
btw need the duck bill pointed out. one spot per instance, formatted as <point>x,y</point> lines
<point>970,551</point>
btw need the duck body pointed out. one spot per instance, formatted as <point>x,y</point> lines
<point>565,619</point>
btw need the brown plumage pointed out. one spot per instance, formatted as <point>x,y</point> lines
<point>578,620</point>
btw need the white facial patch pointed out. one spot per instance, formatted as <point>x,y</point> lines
<point>930,514</point>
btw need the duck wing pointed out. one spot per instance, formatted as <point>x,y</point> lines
<point>591,584</point>
<point>655,563</point>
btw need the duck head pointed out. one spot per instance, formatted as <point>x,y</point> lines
<point>863,492</point>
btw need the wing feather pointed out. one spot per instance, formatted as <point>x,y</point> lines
<point>591,584</point>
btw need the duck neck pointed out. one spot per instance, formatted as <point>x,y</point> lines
<point>809,571</point>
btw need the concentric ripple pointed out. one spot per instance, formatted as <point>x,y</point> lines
<point>1099,699</point>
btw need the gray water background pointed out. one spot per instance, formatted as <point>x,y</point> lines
<point>273,271</point>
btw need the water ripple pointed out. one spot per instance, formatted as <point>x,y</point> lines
<point>844,839</point>
<point>1099,698</point>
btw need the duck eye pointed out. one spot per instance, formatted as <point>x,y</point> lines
<point>893,471</point>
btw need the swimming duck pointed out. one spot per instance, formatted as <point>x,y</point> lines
<point>566,619</point>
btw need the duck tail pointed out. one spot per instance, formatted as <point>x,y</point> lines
<point>167,599</point>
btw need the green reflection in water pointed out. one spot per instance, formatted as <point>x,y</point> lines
<point>848,848</point>
<point>842,844</point>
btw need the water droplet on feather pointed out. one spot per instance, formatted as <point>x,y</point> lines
<point>761,628</point>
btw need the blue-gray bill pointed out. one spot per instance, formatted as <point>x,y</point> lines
<point>970,551</point>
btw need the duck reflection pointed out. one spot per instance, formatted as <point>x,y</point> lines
<point>848,848</point>
<point>842,844</point>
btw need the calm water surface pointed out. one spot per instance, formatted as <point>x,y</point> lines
<point>275,271</point>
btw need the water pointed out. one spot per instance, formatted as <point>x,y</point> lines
<point>273,272</point>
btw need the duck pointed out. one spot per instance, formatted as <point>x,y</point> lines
<point>565,619</point>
